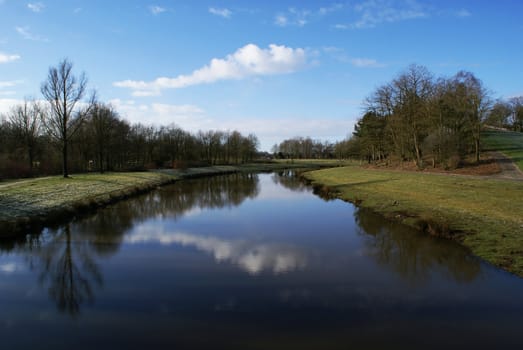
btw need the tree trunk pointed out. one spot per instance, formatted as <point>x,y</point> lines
<point>64,160</point>
<point>30,154</point>
<point>476,144</point>
<point>101,161</point>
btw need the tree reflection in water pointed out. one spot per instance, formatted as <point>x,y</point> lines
<point>66,257</point>
<point>290,180</point>
<point>413,255</point>
<point>68,270</point>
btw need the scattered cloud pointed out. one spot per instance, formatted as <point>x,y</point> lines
<point>340,55</point>
<point>77,10</point>
<point>222,12</point>
<point>10,83</point>
<point>341,26</point>
<point>247,61</point>
<point>6,85</point>
<point>292,17</point>
<point>301,17</point>
<point>26,34</point>
<point>36,6</point>
<point>329,9</point>
<point>156,10</point>
<point>281,20</point>
<point>366,63</point>
<point>463,13</point>
<point>374,12</point>
<point>6,58</point>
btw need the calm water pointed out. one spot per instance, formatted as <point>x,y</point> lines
<point>249,262</point>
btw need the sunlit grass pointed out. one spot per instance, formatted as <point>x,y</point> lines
<point>488,212</point>
<point>36,197</point>
<point>507,142</point>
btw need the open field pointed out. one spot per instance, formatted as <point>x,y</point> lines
<point>506,142</point>
<point>486,215</point>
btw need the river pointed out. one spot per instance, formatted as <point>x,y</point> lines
<point>249,261</point>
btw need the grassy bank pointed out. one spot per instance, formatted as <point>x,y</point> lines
<point>507,142</point>
<point>35,202</point>
<point>485,215</point>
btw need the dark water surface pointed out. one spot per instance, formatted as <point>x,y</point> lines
<point>249,262</point>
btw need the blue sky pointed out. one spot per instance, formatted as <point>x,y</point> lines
<point>276,68</point>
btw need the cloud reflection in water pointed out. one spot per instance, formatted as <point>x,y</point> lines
<point>249,256</point>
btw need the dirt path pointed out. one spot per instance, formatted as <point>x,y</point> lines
<point>509,170</point>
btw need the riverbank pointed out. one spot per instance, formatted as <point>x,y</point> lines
<point>31,203</point>
<point>485,215</point>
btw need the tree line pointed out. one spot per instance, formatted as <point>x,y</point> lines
<point>303,148</point>
<point>418,117</point>
<point>507,114</point>
<point>71,132</point>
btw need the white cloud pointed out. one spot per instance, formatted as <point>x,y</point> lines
<point>374,12</point>
<point>36,6</point>
<point>6,104</point>
<point>189,117</point>
<point>77,10</point>
<point>156,10</point>
<point>222,12</point>
<point>366,63</point>
<point>247,61</point>
<point>6,58</point>
<point>26,34</point>
<point>270,131</point>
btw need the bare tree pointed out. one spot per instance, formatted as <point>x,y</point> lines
<point>516,117</point>
<point>413,89</point>
<point>63,90</point>
<point>475,102</point>
<point>25,121</point>
<point>102,122</point>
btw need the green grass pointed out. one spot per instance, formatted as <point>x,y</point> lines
<point>508,142</point>
<point>25,200</point>
<point>486,215</point>
<point>317,162</point>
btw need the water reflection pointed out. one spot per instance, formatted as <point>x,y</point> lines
<point>290,180</point>
<point>67,258</point>
<point>252,257</point>
<point>67,269</point>
<point>411,254</point>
